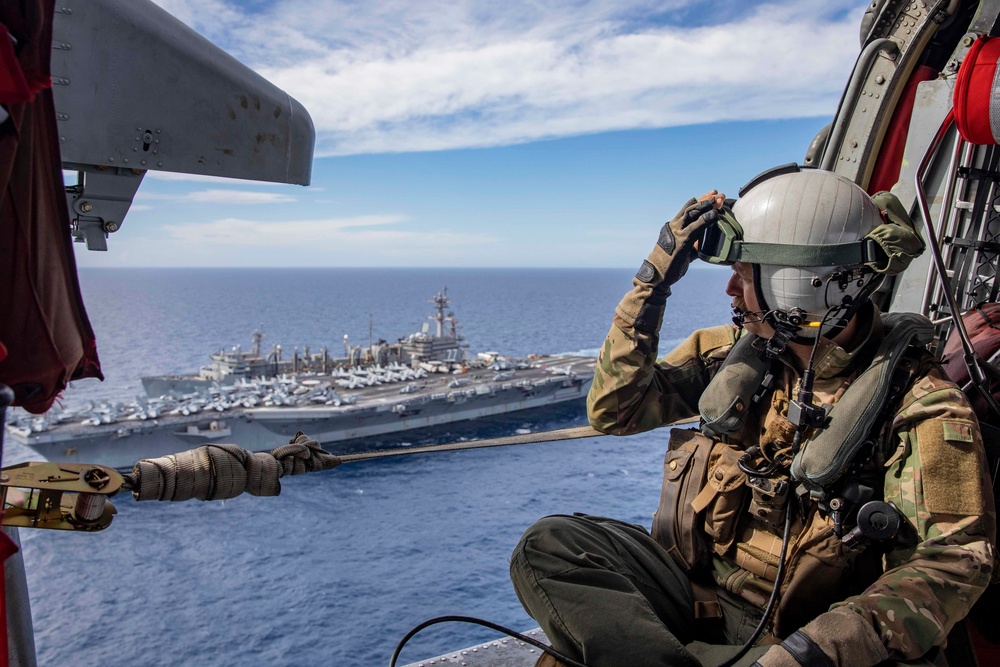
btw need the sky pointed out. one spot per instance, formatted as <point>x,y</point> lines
<point>468,133</point>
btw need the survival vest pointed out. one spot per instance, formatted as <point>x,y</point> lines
<point>823,458</point>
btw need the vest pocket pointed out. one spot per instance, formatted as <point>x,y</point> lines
<point>702,496</point>
<point>722,498</point>
<point>675,522</point>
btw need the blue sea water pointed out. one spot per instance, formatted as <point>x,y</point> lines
<point>342,564</point>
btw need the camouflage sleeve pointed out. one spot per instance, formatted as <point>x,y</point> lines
<point>632,392</point>
<point>939,479</point>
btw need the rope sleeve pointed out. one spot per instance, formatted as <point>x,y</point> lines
<point>217,472</point>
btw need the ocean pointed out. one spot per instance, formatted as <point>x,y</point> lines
<point>342,564</point>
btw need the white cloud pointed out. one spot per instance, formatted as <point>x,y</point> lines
<point>355,241</point>
<point>403,76</point>
<point>227,197</point>
<point>236,197</point>
<point>235,231</point>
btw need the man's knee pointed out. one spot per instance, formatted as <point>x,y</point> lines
<point>556,545</point>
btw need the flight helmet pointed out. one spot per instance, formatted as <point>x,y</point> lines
<point>816,243</point>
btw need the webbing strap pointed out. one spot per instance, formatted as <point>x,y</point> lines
<point>834,254</point>
<point>571,433</point>
<point>706,600</point>
<point>216,472</point>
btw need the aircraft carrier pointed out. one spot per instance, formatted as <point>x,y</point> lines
<point>259,401</point>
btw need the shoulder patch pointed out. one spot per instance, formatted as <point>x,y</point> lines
<point>951,464</point>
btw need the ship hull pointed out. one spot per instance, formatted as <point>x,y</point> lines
<point>383,411</point>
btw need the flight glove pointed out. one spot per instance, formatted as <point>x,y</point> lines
<point>838,638</point>
<point>642,308</point>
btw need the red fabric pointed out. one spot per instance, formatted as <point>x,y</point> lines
<point>886,172</point>
<point>983,325</point>
<point>43,323</point>
<point>13,86</point>
<point>973,88</point>
<point>986,653</point>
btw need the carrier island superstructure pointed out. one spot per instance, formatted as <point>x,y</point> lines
<point>259,401</point>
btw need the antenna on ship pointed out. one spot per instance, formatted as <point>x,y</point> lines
<point>441,300</point>
<point>257,337</point>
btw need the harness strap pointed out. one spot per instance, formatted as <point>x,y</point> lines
<point>706,600</point>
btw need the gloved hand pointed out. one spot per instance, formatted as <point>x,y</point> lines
<point>838,638</point>
<point>642,308</point>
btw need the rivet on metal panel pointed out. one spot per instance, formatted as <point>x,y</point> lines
<point>63,10</point>
<point>142,162</point>
<point>157,131</point>
<point>880,79</point>
<point>159,164</point>
<point>125,160</point>
<point>111,159</point>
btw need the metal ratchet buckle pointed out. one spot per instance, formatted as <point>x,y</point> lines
<point>60,496</point>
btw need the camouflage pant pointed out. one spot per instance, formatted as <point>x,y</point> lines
<point>607,595</point>
<point>638,609</point>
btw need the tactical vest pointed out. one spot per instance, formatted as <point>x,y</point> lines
<point>823,458</point>
<point>704,500</point>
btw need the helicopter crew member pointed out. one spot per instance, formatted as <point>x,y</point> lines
<point>832,455</point>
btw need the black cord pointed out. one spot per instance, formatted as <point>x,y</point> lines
<point>486,624</point>
<point>779,575</point>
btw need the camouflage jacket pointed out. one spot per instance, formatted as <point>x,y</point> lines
<point>935,472</point>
